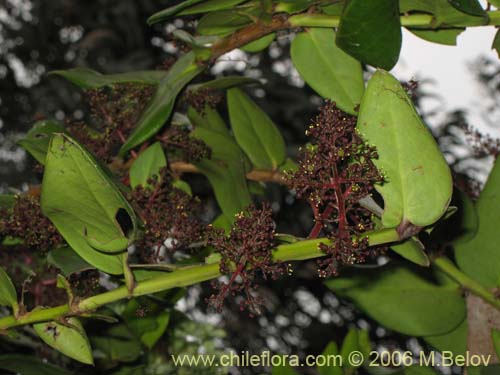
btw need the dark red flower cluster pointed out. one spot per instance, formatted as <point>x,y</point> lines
<point>115,111</point>
<point>245,253</point>
<point>25,221</point>
<point>170,217</point>
<point>334,173</point>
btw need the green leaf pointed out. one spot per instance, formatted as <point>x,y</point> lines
<point>413,250</point>
<point>37,139</point>
<point>8,295</point>
<point>210,6</point>
<point>399,299</point>
<point>496,43</point>
<point>255,132</point>
<point>441,36</point>
<point>293,6</point>
<point>116,343</point>
<point>454,341</point>
<point>86,78</point>
<point>162,103</point>
<point>67,261</point>
<point>223,83</point>
<point>472,7</point>
<point>147,165</point>
<point>210,119</point>
<point>182,185</point>
<point>495,337</point>
<point>229,183</point>
<point>224,22</point>
<point>259,44</point>
<point>223,146</point>
<point>69,338</point>
<point>443,11</point>
<point>27,365</point>
<point>330,351</point>
<point>418,183</point>
<point>86,206</point>
<point>371,32</point>
<point>151,326</point>
<point>331,72</point>
<point>478,257</point>
<point>170,11</point>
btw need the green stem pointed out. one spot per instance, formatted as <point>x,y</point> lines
<point>422,20</point>
<point>186,276</point>
<point>447,266</point>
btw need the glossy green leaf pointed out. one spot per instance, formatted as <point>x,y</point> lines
<point>27,365</point>
<point>210,6</point>
<point>147,165</point>
<point>209,119</point>
<point>8,295</point>
<point>331,72</point>
<point>170,11</point>
<point>371,32</point>
<point>229,183</point>
<point>86,206</point>
<point>159,109</point>
<point>443,11</point>
<point>150,327</point>
<point>255,132</point>
<point>399,299</point>
<point>460,227</point>
<point>223,146</point>
<point>223,22</point>
<point>259,44</point>
<point>330,351</point>
<point>496,43</point>
<point>472,7</point>
<point>441,36</point>
<point>454,341</point>
<point>355,340</point>
<point>67,261</point>
<point>116,343</point>
<point>413,250</point>
<point>478,257</point>
<point>69,338</point>
<point>293,6</point>
<point>495,337</point>
<point>36,141</point>
<point>194,41</point>
<point>86,78</point>
<point>223,83</point>
<point>418,183</point>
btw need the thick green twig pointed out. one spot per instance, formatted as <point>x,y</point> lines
<point>186,276</point>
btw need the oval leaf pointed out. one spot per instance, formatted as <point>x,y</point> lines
<point>400,299</point>
<point>418,182</point>
<point>67,261</point>
<point>69,339</point>
<point>85,205</point>
<point>224,22</point>
<point>259,44</point>
<point>478,257</point>
<point>162,103</point>
<point>37,139</point>
<point>447,37</point>
<point>147,165</point>
<point>255,132</point>
<point>170,11</point>
<point>8,296</point>
<point>331,72</point>
<point>86,78</point>
<point>370,31</point>
<point>413,250</point>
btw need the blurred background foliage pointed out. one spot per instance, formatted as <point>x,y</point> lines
<point>111,36</point>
